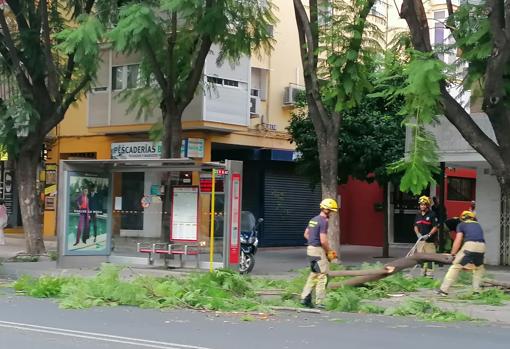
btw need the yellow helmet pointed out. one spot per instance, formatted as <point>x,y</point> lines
<point>329,204</point>
<point>424,200</point>
<point>467,216</point>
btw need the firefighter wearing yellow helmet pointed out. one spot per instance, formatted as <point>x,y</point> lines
<point>426,226</point>
<point>319,253</point>
<point>469,251</point>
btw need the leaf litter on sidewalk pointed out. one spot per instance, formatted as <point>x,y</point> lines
<point>225,290</point>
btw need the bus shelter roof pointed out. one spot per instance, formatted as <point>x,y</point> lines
<point>128,165</point>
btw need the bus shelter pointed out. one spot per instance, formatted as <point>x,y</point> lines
<point>108,208</point>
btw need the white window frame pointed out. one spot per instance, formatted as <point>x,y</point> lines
<point>124,77</point>
<point>221,82</point>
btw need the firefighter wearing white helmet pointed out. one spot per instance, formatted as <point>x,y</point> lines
<point>470,256</point>
<point>319,253</point>
<point>426,226</point>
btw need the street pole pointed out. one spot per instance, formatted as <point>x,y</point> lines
<point>213,197</point>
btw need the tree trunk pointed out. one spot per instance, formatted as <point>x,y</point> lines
<point>172,133</point>
<point>386,242</point>
<point>171,149</point>
<point>328,162</point>
<point>505,223</point>
<point>443,215</point>
<point>26,174</point>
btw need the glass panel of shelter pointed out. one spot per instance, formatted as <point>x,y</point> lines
<point>140,213</point>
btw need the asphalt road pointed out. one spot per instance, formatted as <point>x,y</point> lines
<point>39,324</point>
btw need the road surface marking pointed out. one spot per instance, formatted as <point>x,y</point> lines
<point>97,336</point>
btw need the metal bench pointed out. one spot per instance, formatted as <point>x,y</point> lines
<point>169,249</point>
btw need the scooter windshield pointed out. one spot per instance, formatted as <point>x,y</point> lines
<point>247,221</point>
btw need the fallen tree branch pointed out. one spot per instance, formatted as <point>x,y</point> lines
<point>358,272</point>
<point>392,268</point>
<point>497,283</point>
<point>298,310</point>
<point>269,292</point>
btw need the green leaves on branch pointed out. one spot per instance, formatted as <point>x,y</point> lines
<point>168,34</point>
<point>17,119</point>
<point>426,310</point>
<point>220,290</point>
<point>59,60</point>
<point>349,44</point>
<point>138,26</point>
<point>473,39</point>
<point>421,91</point>
<point>145,100</point>
<point>473,43</point>
<point>421,163</point>
<point>83,41</point>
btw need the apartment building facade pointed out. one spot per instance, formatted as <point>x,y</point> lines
<point>240,113</point>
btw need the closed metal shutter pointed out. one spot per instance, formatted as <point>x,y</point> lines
<point>289,203</point>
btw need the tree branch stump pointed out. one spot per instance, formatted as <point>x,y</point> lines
<point>364,276</point>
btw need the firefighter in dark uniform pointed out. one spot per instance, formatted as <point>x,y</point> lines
<point>426,226</point>
<point>470,256</point>
<point>320,254</point>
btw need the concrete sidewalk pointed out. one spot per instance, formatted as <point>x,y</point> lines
<point>270,262</point>
<point>274,262</point>
<point>15,243</point>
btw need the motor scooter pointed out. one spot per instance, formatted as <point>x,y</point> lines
<point>249,241</point>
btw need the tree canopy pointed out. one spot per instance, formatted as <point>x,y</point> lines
<point>49,54</point>
<point>371,137</point>
<point>174,38</point>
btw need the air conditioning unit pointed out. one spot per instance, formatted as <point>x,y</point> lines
<point>254,107</point>
<point>98,89</point>
<point>291,93</point>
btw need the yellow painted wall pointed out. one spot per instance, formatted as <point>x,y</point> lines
<point>75,120</point>
<point>284,65</point>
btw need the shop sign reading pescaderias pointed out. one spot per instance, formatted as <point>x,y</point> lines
<point>192,147</point>
<point>136,150</point>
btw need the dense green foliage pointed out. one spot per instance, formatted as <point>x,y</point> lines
<point>220,290</point>
<point>421,92</point>
<point>43,287</point>
<point>56,61</point>
<point>491,296</point>
<point>371,138</point>
<point>348,44</point>
<point>474,41</point>
<point>426,310</point>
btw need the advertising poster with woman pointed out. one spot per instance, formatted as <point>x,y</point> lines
<point>87,228</point>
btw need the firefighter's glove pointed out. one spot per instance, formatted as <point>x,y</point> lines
<point>425,237</point>
<point>332,255</point>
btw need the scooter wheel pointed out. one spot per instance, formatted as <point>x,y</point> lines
<point>246,263</point>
